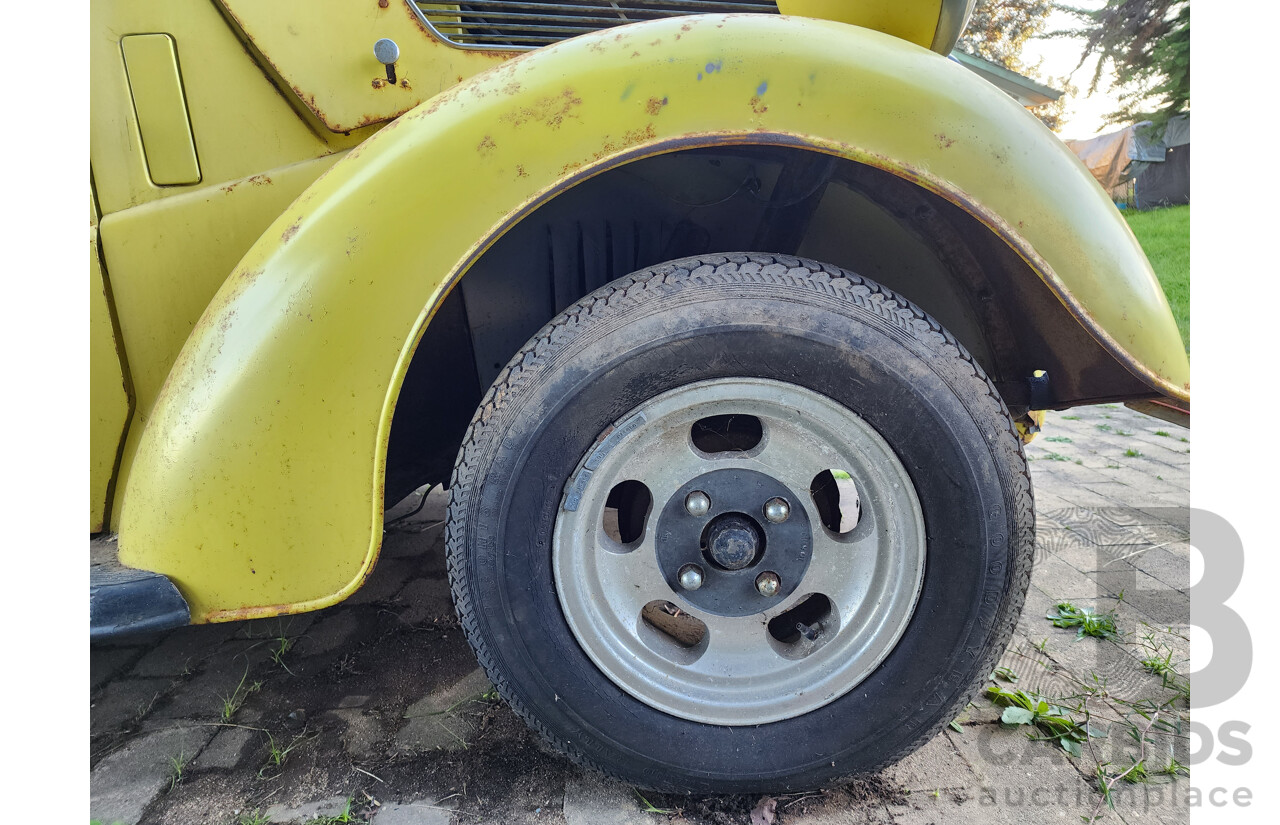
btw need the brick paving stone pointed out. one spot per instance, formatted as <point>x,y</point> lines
<point>422,812</point>
<point>227,748</point>
<point>595,800</point>
<point>328,634</point>
<point>441,720</point>
<point>935,766</point>
<point>422,600</point>
<point>125,702</point>
<point>124,783</point>
<point>108,662</point>
<point>182,650</point>
<point>362,734</point>
<point>329,807</point>
<point>232,666</point>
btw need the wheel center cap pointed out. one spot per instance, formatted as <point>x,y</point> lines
<point>733,541</point>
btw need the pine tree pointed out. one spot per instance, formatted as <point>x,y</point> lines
<point>1146,46</point>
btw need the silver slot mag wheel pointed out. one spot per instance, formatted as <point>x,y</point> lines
<point>738,673</point>
<point>742,523</point>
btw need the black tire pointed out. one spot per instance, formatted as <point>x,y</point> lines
<point>760,316</point>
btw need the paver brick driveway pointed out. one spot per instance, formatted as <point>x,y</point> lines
<point>374,710</point>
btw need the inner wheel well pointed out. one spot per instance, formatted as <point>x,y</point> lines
<point>773,199</point>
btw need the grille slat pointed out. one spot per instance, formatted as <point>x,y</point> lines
<point>528,24</point>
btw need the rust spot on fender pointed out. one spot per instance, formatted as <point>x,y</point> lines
<point>256,180</point>
<point>551,110</point>
<point>291,231</point>
<point>378,83</point>
<point>759,106</point>
<point>404,83</point>
<point>654,106</point>
<point>520,172</point>
<point>382,4</point>
<point>234,614</point>
<point>944,142</point>
<point>486,146</point>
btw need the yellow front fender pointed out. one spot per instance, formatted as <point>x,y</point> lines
<point>257,484</point>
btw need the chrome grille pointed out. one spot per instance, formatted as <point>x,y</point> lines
<point>529,24</point>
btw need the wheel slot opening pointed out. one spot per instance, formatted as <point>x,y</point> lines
<point>731,433</point>
<point>672,623</point>
<point>626,511</point>
<point>836,497</point>
<point>803,624</point>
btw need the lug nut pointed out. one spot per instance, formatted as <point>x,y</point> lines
<point>777,510</point>
<point>768,584</point>
<point>691,577</point>
<point>697,503</point>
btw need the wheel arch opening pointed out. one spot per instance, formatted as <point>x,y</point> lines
<point>741,198</point>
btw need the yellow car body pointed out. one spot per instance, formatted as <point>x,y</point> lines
<point>276,226</point>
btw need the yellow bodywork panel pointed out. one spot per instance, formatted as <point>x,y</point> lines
<point>323,51</point>
<point>242,125</point>
<point>109,401</point>
<point>257,483</point>
<point>167,260</point>
<point>151,62</point>
<point>915,21</point>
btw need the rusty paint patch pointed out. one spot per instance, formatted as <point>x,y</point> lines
<point>378,83</point>
<point>551,110</point>
<point>654,106</point>
<point>944,142</point>
<point>759,106</point>
<point>256,180</point>
<point>404,83</point>
<point>520,172</point>
<point>291,231</point>
<point>486,146</point>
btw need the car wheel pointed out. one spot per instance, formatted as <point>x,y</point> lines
<point>740,523</point>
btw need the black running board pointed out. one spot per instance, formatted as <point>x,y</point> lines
<point>124,601</point>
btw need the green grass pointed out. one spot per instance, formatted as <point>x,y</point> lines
<point>1165,235</point>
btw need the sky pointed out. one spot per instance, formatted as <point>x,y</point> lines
<point>1057,58</point>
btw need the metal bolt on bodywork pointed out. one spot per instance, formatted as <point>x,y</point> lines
<point>691,577</point>
<point>777,510</point>
<point>387,53</point>
<point>697,503</point>
<point>768,584</point>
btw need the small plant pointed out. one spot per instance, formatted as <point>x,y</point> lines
<point>1086,620</point>
<point>277,753</point>
<point>1162,433</point>
<point>1054,724</point>
<point>649,808</point>
<point>1057,457</point>
<point>233,703</point>
<point>280,646</point>
<point>1070,418</point>
<point>342,817</point>
<point>1132,453</point>
<point>1184,440</point>
<point>1058,439</point>
<point>1123,432</point>
<point>1164,667</point>
<point>1106,428</point>
<point>1113,467</point>
<point>177,768</point>
<point>253,817</point>
<point>1005,674</point>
